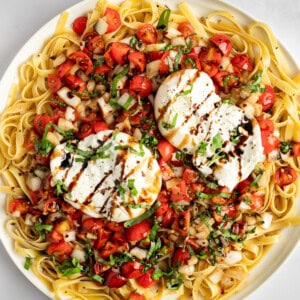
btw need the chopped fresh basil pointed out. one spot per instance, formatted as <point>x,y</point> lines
<point>132,188</point>
<point>133,42</point>
<point>172,125</point>
<point>186,91</point>
<point>27,262</point>
<point>164,19</point>
<point>202,148</point>
<point>190,61</point>
<point>217,142</point>
<point>41,228</point>
<point>286,147</point>
<point>177,60</point>
<point>254,85</point>
<point>69,268</point>
<point>114,86</point>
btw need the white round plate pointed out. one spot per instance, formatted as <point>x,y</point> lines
<point>277,254</point>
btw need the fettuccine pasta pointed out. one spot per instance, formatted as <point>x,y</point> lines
<point>202,238</point>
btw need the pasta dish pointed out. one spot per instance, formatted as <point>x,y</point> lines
<point>148,153</point>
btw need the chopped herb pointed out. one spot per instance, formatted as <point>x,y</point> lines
<point>41,228</point>
<point>201,255</point>
<point>202,148</point>
<point>121,191</point>
<point>61,187</point>
<point>190,61</point>
<point>217,142</point>
<point>99,62</point>
<point>153,231</point>
<point>172,125</point>
<point>228,101</point>
<point>130,149</point>
<point>175,282</point>
<point>210,184</point>
<point>98,278</point>
<point>177,59</point>
<point>142,217</point>
<point>164,19</point>
<point>132,188</point>
<point>215,158</point>
<point>189,45</point>
<point>254,85</point>
<point>133,42</point>
<point>114,86</point>
<point>201,195</point>
<point>69,268</point>
<point>254,183</point>
<point>235,136</point>
<point>186,91</point>
<point>27,262</point>
<point>170,64</point>
<point>136,206</point>
<point>286,147</point>
<point>227,78</point>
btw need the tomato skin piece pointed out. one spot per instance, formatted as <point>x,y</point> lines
<point>131,269</point>
<point>101,70</point>
<point>112,18</point>
<point>147,34</point>
<point>138,231</point>
<point>54,83</point>
<point>85,130</point>
<point>91,225</point>
<point>18,205</point>
<point>168,217</point>
<point>166,149</point>
<point>60,248</point>
<point>79,25</point>
<point>119,52</point>
<point>100,126</point>
<point>138,59</point>
<point>163,65</point>
<point>181,256</point>
<point>141,85</point>
<point>242,61</point>
<point>182,222</point>
<point>83,61</point>
<point>75,82</point>
<point>146,280</point>
<point>113,279</point>
<point>223,43</point>
<point>186,29</point>
<point>296,149</point>
<point>64,68</point>
<point>189,175</point>
<point>40,122</point>
<point>154,55</point>
<point>136,296</point>
<point>284,176</point>
<point>267,98</point>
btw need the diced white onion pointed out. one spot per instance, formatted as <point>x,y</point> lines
<point>178,41</point>
<point>101,26</point>
<point>33,182</point>
<point>244,206</point>
<point>152,68</point>
<point>155,47</point>
<point>69,236</point>
<point>232,257</point>
<point>64,124</point>
<point>139,253</point>
<point>178,171</point>
<point>41,173</point>
<point>54,137</point>
<point>28,220</point>
<point>126,101</point>
<point>68,97</point>
<point>105,107</point>
<point>186,270</point>
<point>266,220</point>
<point>70,114</point>
<point>79,254</point>
<point>172,33</point>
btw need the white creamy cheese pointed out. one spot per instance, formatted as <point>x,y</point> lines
<point>107,174</point>
<point>193,118</point>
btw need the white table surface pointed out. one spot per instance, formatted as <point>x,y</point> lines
<point>19,19</point>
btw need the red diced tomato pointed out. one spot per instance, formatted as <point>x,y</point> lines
<point>242,61</point>
<point>168,217</point>
<point>112,18</point>
<point>141,85</point>
<point>189,175</point>
<point>91,225</point>
<point>119,52</point>
<point>64,68</point>
<point>101,70</point>
<point>136,296</point>
<point>138,59</point>
<point>296,149</point>
<point>40,122</point>
<point>79,25</point>
<point>186,29</point>
<point>182,222</point>
<point>83,61</point>
<point>181,256</point>
<point>146,280</point>
<point>223,43</point>
<point>147,34</point>
<point>54,83</point>
<point>18,205</point>
<point>165,149</point>
<point>75,82</point>
<point>60,248</point>
<point>285,176</point>
<point>100,126</point>
<point>138,231</point>
<point>267,98</point>
<point>96,44</point>
<point>131,269</point>
<point>113,279</point>
<point>167,172</point>
<point>108,58</point>
<point>155,55</point>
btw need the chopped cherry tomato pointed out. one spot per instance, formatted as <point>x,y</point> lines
<point>244,186</point>
<point>167,172</point>
<point>18,205</point>
<point>75,82</point>
<point>189,175</point>
<point>162,209</point>
<point>131,269</point>
<point>29,140</point>
<point>146,280</point>
<point>285,176</point>
<point>96,44</point>
<point>108,249</point>
<point>181,256</point>
<point>54,83</point>
<point>60,248</point>
<point>164,63</point>
<point>182,222</point>
<point>83,61</point>
<point>239,228</point>
<point>190,61</point>
<point>113,279</point>
<point>265,124</point>
<point>168,217</point>
<point>242,61</point>
<point>91,225</point>
<point>179,192</point>
<point>136,296</point>
<point>108,58</point>
<point>119,52</point>
<point>186,29</point>
<point>141,85</point>
<point>51,205</point>
<point>138,59</point>
<point>296,149</point>
<point>163,196</point>
<point>112,18</point>
<point>85,130</point>
<point>210,55</point>
<point>155,55</point>
<point>209,68</point>
<point>267,98</point>
<point>103,236</point>
<point>147,34</point>
<point>138,231</point>
<point>79,25</point>
<point>253,200</point>
<point>101,70</point>
<point>165,149</point>
<point>100,126</point>
<point>40,122</point>
<point>57,233</point>
<point>64,68</point>
<point>223,43</point>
